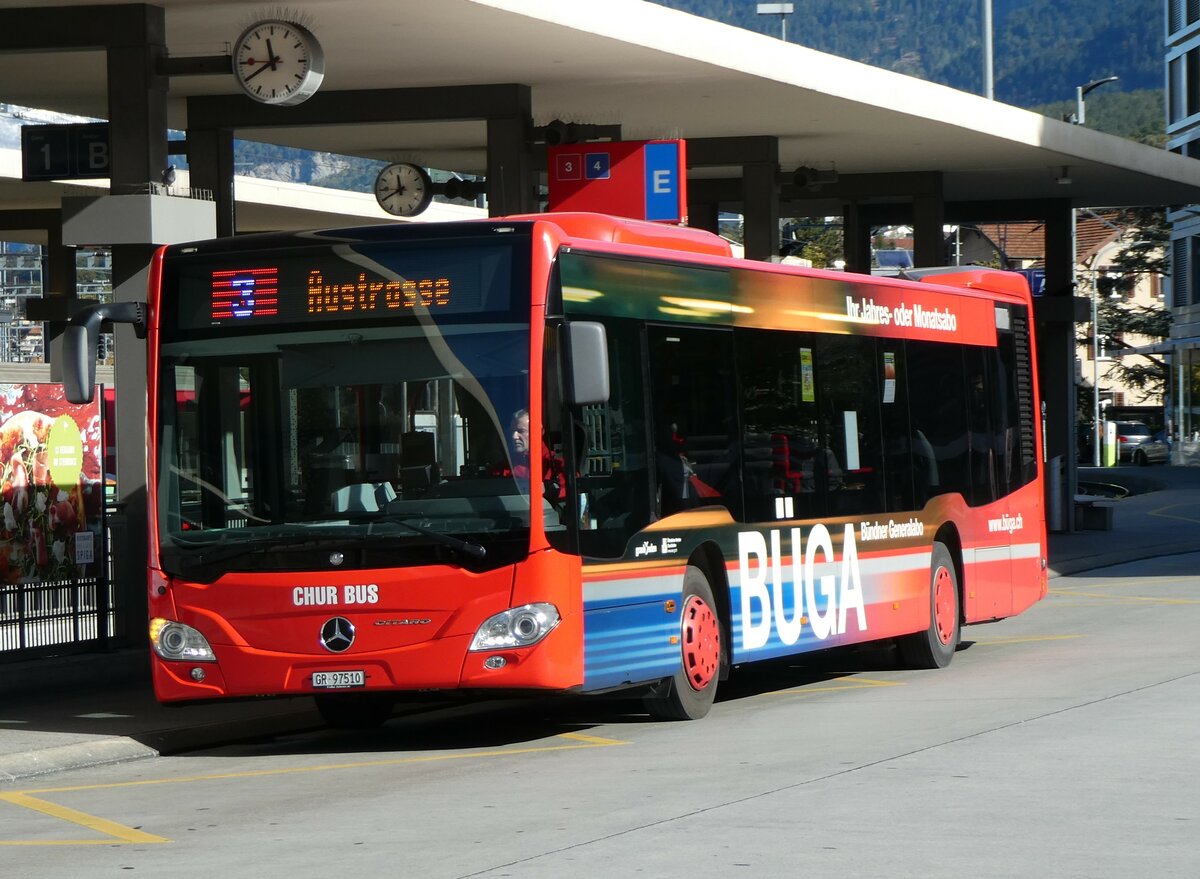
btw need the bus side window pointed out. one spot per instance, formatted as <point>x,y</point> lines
<point>849,399</point>
<point>780,424</point>
<point>611,452</point>
<point>938,405</point>
<point>696,431</point>
<point>980,415</point>
<point>897,439</point>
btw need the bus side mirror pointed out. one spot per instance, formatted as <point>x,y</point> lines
<point>79,343</point>
<point>587,351</point>
<point>79,363</point>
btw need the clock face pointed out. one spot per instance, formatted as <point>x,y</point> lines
<point>403,190</point>
<point>278,62</point>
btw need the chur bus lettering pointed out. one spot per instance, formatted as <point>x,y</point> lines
<point>838,595</point>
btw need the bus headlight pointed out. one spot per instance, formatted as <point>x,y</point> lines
<point>175,641</point>
<point>518,627</point>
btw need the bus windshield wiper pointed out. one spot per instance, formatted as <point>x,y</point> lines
<point>470,547</point>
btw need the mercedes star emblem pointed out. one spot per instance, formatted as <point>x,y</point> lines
<point>337,635</point>
<point>336,558</point>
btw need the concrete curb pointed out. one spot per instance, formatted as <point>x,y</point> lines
<point>1104,560</point>
<point>98,752</point>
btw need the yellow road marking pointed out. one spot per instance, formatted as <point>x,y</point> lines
<point>121,833</point>
<point>584,742</point>
<point>591,740</point>
<point>114,833</point>
<point>1028,640</point>
<point>1159,512</point>
<point>1152,600</point>
<point>857,684</point>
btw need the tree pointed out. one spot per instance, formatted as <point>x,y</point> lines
<point>1117,317</point>
<point>815,239</point>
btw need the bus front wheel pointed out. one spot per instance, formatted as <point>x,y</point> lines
<point>689,694</point>
<point>934,648</point>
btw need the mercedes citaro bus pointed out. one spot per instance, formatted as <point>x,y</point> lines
<point>567,453</point>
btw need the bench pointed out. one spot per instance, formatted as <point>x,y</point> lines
<point>1094,513</point>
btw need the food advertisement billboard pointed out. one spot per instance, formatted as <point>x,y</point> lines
<point>51,488</point>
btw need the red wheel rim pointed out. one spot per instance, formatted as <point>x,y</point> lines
<point>701,643</point>
<point>945,609</point>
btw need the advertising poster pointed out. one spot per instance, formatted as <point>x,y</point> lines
<point>807,387</point>
<point>51,485</point>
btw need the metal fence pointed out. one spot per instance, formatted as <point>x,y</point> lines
<point>78,615</point>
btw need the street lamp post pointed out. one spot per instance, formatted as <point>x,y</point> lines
<point>1081,92</point>
<point>1095,370</point>
<point>989,91</point>
<point>783,10</point>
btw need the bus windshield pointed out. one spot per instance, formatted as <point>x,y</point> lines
<point>367,443</point>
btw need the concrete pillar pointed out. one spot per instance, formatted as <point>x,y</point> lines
<point>704,215</point>
<point>137,109</point>
<point>510,180</point>
<point>58,279</point>
<point>929,216</point>
<point>1055,314</point>
<point>760,207</point>
<point>210,159</point>
<point>856,239</point>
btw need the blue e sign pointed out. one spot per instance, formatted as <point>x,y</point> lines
<point>662,181</point>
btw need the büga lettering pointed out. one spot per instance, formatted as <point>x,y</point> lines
<point>840,594</point>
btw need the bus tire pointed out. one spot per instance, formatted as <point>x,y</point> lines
<point>690,693</point>
<point>934,648</point>
<point>355,710</point>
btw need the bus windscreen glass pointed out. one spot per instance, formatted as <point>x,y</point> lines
<point>371,419</point>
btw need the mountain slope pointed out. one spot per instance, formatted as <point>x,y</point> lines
<point>1042,49</point>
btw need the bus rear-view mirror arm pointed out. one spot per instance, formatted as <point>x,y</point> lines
<point>80,340</point>
<point>587,353</point>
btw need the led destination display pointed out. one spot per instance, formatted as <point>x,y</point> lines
<point>337,283</point>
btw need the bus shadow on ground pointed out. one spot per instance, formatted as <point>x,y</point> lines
<point>815,669</point>
<point>551,721</point>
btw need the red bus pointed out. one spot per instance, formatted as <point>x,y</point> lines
<point>735,461</point>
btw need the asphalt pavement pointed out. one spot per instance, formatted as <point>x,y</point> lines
<point>71,712</point>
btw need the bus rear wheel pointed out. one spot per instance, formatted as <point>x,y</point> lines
<point>690,693</point>
<point>355,710</point>
<point>934,648</point>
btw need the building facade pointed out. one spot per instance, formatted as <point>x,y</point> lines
<point>1183,137</point>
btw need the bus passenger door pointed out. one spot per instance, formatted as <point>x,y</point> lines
<point>697,452</point>
<point>986,416</point>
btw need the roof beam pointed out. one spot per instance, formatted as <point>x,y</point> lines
<point>59,28</point>
<point>364,106</point>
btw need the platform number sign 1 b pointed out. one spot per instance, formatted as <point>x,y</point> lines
<point>70,151</point>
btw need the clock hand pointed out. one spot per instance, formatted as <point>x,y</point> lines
<point>271,54</point>
<point>265,66</point>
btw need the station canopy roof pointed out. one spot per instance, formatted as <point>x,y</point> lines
<point>656,72</point>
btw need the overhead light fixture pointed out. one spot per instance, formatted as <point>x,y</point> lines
<point>1064,176</point>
